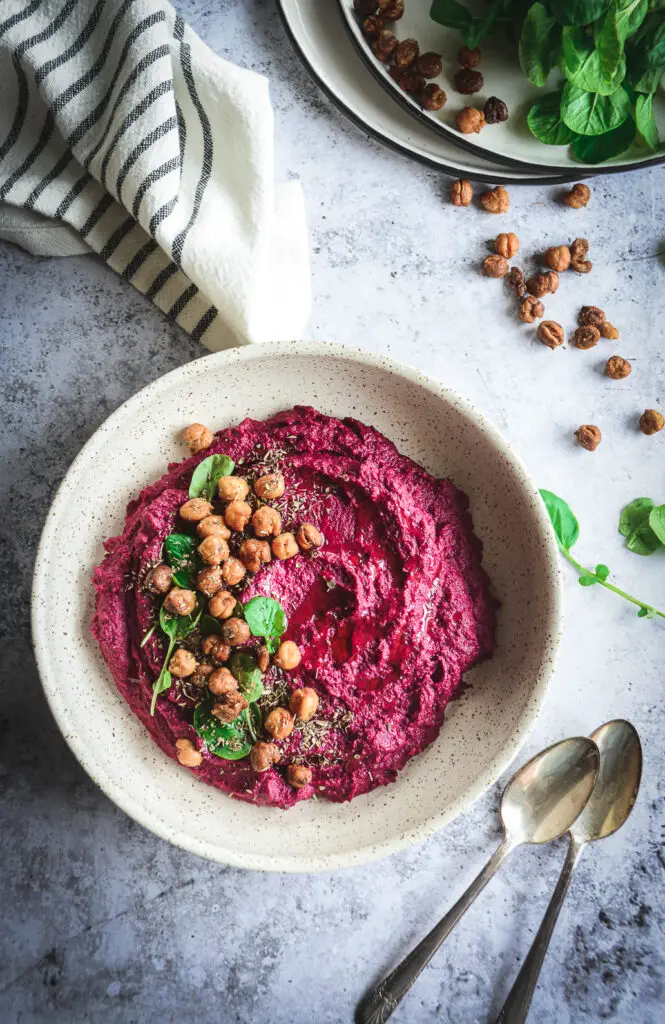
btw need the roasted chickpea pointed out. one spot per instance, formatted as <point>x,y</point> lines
<point>182,664</point>
<point>194,510</point>
<point>233,571</point>
<point>203,671</point>
<point>284,546</point>
<point>279,723</point>
<point>267,522</point>
<point>229,706</point>
<point>237,515</point>
<point>235,631</point>
<point>288,655</point>
<point>209,580</point>
<point>263,755</point>
<point>214,647</point>
<point>160,579</point>
<point>303,703</point>
<point>254,553</point>
<point>308,536</point>
<point>180,602</point>
<point>187,753</point>
<point>197,437</point>
<point>222,605</point>
<point>232,488</point>
<point>270,486</point>
<point>222,681</point>
<point>298,775</point>
<point>213,550</point>
<point>263,658</point>
<point>213,526</point>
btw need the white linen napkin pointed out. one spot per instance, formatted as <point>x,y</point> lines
<point>130,136</point>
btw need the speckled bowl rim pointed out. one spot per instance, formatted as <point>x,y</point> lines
<point>551,629</point>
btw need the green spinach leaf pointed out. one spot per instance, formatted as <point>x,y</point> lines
<point>584,64</point>
<point>594,149</point>
<point>265,617</point>
<point>451,14</point>
<point>647,57</point>
<point>628,16</point>
<point>207,473</point>
<point>657,522</point>
<point>176,627</point>
<point>645,121</point>
<point>210,626</point>
<point>537,45</point>
<point>230,741</point>
<point>181,554</point>
<point>544,121</point>
<point>589,113</point>
<point>634,526</point>
<point>244,667</point>
<point>566,527</point>
<point>578,12</point>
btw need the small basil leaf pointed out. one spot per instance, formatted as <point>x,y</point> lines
<point>181,554</point>
<point>207,473</point>
<point>210,626</point>
<point>634,526</point>
<point>602,572</point>
<point>657,522</point>
<point>544,121</point>
<point>596,149</point>
<point>265,617</point>
<point>643,612</point>
<point>589,113</point>
<point>587,581</point>
<point>177,627</point>
<point>563,520</point>
<point>230,741</point>
<point>244,667</point>
<point>536,45</point>
<point>645,121</point>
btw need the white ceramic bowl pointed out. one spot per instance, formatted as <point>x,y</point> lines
<point>483,730</point>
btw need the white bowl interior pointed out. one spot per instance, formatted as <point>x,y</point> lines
<point>484,728</point>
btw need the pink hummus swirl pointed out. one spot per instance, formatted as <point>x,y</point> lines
<point>388,614</point>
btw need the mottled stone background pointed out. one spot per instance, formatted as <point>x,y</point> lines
<point>104,922</point>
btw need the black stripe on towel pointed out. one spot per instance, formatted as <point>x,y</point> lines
<point>178,306</point>
<point>15,19</point>
<point>23,91</point>
<point>54,173</point>
<point>42,142</point>
<point>97,214</point>
<point>206,167</point>
<point>149,140</point>
<point>74,191</point>
<point>161,214</point>
<point>75,137</point>
<point>117,237</point>
<point>130,119</point>
<point>78,44</point>
<point>204,323</point>
<point>159,172</point>
<point>162,277</point>
<point>137,261</point>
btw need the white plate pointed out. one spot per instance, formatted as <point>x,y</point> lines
<point>318,34</point>
<point>483,730</point>
<point>510,143</point>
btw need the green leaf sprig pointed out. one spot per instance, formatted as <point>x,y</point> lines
<point>176,627</point>
<point>567,531</point>
<point>642,523</point>
<point>204,478</point>
<point>266,618</point>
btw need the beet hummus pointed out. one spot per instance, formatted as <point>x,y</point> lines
<point>379,606</point>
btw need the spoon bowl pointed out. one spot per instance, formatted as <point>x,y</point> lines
<point>618,782</point>
<point>545,797</point>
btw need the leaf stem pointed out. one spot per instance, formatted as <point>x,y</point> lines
<point>155,686</point>
<point>608,586</point>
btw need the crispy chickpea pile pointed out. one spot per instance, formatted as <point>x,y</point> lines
<point>238,533</point>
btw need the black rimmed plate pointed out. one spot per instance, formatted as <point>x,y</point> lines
<point>509,144</point>
<point>320,39</point>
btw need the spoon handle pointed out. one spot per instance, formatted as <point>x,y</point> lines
<point>384,998</point>
<point>516,1007</point>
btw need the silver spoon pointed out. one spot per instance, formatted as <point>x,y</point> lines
<point>540,802</point>
<point>608,808</point>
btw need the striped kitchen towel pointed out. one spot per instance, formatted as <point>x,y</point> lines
<point>120,127</point>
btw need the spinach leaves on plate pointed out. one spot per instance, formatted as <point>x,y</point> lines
<point>175,627</point>
<point>204,478</point>
<point>611,54</point>
<point>266,618</point>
